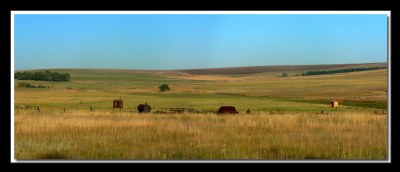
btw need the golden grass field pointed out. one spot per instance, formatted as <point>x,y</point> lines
<point>127,136</point>
<point>285,124</point>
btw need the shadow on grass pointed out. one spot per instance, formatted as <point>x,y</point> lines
<point>55,156</point>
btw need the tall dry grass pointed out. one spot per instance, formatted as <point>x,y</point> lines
<point>131,136</point>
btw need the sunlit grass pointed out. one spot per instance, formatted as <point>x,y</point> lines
<point>106,135</point>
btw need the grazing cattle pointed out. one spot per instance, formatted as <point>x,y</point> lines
<point>144,108</point>
<point>227,110</point>
<point>118,104</point>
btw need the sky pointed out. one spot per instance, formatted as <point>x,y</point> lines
<point>190,41</point>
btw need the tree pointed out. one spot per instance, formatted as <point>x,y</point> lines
<point>164,87</point>
<point>284,74</point>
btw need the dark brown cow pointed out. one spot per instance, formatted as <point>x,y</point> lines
<point>144,108</point>
<point>227,110</point>
<point>118,104</point>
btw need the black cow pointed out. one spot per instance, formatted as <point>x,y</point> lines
<point>144,108</point>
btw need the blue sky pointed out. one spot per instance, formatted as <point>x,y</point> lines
<point>185,41</point>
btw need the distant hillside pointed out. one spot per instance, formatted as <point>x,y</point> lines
<point>217,71</point>
<point>262,69</point>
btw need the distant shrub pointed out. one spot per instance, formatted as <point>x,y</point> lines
<point>284,74</point>
<point>21,84</point>
<point>28,85</point>
<point>164,87</point>
<point>24,84</point>
<point>41,86</point>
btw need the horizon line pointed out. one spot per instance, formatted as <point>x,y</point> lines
<point>196,68</point>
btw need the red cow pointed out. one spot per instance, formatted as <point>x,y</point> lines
<point>227,110</point>
<point>118,104</point>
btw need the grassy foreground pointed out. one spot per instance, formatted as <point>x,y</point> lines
<point>131,136</point>
<point>285,124</point>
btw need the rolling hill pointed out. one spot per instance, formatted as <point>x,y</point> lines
<point>262,69</point>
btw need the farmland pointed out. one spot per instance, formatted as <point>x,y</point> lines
<point>290,116</point>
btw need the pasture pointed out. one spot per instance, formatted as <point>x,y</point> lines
<point>285,122</point>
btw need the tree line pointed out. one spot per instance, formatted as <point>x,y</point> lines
<point>323,72</point>
<point>42,76</point>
